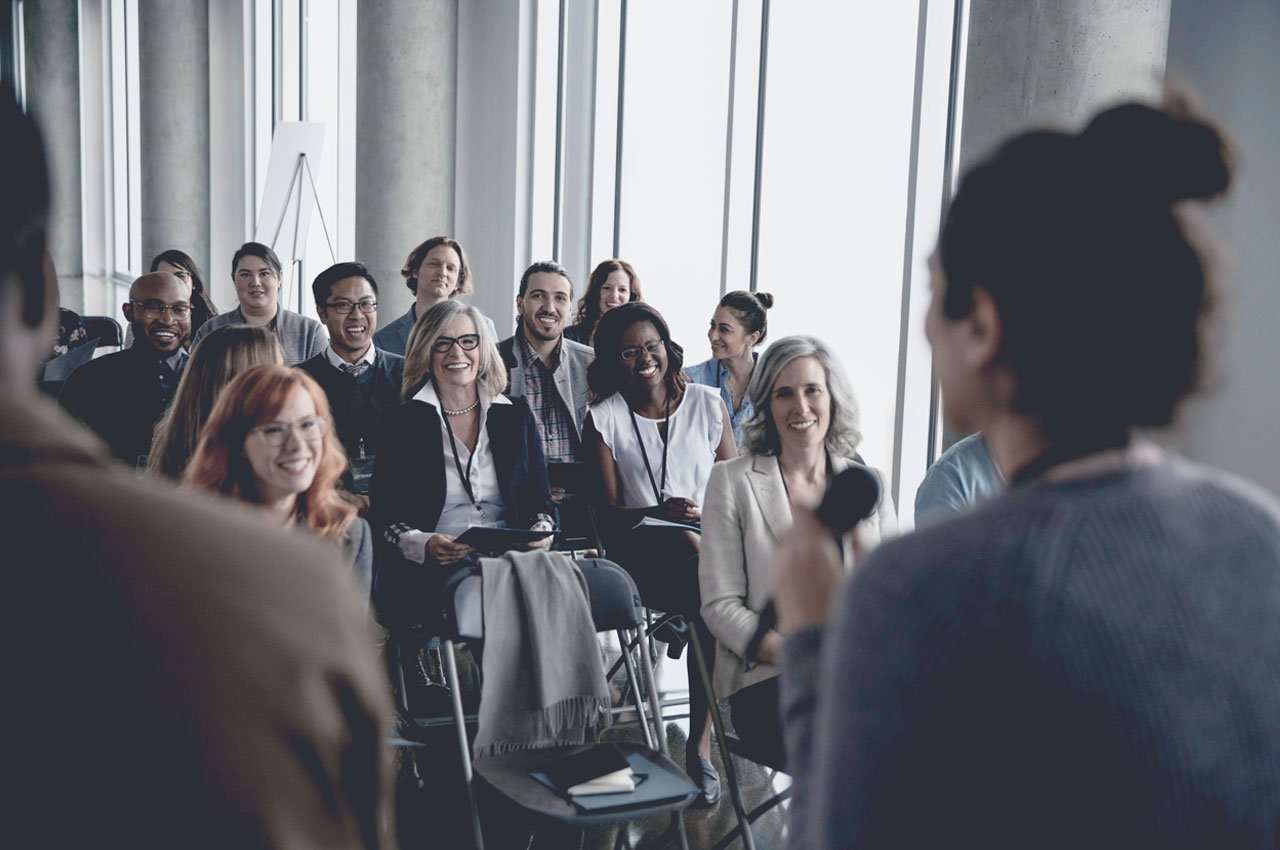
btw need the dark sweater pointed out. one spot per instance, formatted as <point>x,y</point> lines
<point>1087,663</point>
<point>360,405</point>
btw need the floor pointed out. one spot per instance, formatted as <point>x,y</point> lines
<point>432,810</point>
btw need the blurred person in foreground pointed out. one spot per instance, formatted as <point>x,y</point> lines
<point>1092,658</point>
<point>226,705</point>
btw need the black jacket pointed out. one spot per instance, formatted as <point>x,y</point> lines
<point>359,405</point>
<point>409,487</point>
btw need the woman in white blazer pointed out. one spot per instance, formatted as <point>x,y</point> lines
<point>803,431</point>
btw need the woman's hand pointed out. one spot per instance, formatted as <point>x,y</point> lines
<point>770,651</point>
<point>679,509</point>
<point>806,572</point>
<point>444,550</point>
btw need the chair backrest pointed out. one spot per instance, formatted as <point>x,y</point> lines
<point>105,329</point>
<point>615,601</point>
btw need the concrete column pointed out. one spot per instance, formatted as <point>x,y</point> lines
<point>1226,53</point>
<point>52,43</point>
<point>406,112</point>
<point>173,86</point>
<point>1045,63</point>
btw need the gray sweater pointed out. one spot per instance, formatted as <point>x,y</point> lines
<point>300,337</point>
<point>1087,663</point>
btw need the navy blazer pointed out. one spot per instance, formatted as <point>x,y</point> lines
<point>409,486</point>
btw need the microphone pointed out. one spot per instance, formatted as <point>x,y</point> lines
<point>852,496</point>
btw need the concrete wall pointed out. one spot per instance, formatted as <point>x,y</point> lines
<point>1227,52</point>
<point>52,43</point>
<point>1046,63</point>
<point>173,90</point>
<point>406,114</point>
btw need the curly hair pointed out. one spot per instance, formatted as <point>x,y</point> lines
<point>414,262</point>
<point>589,305</point>
<point>605,374</point>
<point>252,398</point>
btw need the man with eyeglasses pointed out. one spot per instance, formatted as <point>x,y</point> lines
<point>361,381</point>
<point>122,395</point>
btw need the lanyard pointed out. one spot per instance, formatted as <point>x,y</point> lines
<point>465,476</point>
<point>1065,452</point>
<point>666,441</point>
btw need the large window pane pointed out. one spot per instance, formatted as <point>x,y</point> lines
<point>672,205</point>
<point>837,145</point>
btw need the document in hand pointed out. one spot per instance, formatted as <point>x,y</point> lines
<point>653,522</point>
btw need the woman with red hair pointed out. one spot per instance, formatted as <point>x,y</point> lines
<point>269,441</point>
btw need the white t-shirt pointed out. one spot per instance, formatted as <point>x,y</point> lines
<point>694,431</point>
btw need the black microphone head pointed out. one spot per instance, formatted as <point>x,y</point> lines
<point>851,498</point>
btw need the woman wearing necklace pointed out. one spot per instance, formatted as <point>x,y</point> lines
<point>1092,657</point>
<point>458,453</point>
<point>738,326</point>
<point>804,430</point>
<point>655,439</point>
<point>269,441</point>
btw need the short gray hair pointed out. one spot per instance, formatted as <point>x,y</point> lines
<point>491,374</point>
<point>760,433</point>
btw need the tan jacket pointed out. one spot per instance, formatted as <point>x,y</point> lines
<point>180,673</point>
<point>744,515</point>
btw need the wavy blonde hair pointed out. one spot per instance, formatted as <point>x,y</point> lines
<point>491,374</point>
<point>252,399</point>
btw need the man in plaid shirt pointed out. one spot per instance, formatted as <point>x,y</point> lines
<point>549,371</point>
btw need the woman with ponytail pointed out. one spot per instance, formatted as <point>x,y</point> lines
<point>1091,658</point>
<point>738,326</point>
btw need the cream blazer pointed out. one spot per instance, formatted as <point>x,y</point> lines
<point>744,515</point>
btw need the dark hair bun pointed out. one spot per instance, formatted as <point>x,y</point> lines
<point>1157,155</point>
<point>765,299</point>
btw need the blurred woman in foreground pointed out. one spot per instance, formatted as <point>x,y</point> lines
<point>1091,658</point>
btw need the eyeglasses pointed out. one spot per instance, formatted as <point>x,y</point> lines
<point>310,429</point>
<point>467,342</point>
<point>344,307</point>
<point>155,309</point>
<point>653,346</point>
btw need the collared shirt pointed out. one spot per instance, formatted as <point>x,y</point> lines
<point>713,373</point>
<point>170,371</point>
<point>555,421</point>
<point>336,361</point>
<point>460,512</point>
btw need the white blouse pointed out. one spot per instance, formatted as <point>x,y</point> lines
<point>694,430</point>
<point>460,513</point>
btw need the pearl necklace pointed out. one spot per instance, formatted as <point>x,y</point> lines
<point>463,411</point>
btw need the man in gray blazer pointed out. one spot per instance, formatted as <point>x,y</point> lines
<point>547,370</point>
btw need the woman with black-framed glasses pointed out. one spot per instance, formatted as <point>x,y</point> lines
<point>654,438</point>
<point>456,454</point>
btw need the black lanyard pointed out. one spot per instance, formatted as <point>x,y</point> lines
<point>457,462</point>
<point>666,441</point>
<point>1064,452</point>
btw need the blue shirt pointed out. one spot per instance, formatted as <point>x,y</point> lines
<point>962,475</point>
<point>713,373</point>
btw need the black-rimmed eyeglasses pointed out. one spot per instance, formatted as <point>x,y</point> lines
<point>155,309</point>
<point>467,342</point>
<point>344,307</point>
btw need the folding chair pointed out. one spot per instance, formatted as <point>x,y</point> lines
<point>615,606</point>
<point>731,745</point>
<point>104,330</point>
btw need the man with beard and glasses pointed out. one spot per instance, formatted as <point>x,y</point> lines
<point>546,369</point>
<point>121,396</point>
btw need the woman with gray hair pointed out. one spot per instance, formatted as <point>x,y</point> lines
<point>803,430</point>
<point>457,453</point>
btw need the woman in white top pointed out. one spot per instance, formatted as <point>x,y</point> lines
<point>457,453</point>
<point>655,439</point>
<point>804,430</point>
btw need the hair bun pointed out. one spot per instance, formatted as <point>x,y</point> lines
<point>765,299</point>
<point>1158,155</point>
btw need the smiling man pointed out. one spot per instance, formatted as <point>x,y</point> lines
<point>256,270</point>
<point>120,396</point>
<point>546,369</point>
<point>362,382</point>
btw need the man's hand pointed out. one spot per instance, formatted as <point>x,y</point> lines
<point>806,573</point>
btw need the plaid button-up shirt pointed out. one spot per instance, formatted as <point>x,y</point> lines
<point>555,421</point>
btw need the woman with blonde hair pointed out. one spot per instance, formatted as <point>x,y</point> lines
<point>457,453</point>
<point>223,354</point>
<point>270,442</point>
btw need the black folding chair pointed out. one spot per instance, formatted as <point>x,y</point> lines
<point>616,607</point>
<point>105,330</point>
<point>731,745</point>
